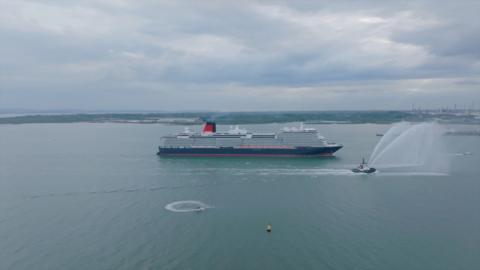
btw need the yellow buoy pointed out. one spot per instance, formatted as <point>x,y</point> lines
<point>269,227</point>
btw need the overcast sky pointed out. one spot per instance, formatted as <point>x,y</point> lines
<point>238,55</point>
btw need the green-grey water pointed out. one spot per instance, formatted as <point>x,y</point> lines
<point>93,196</point>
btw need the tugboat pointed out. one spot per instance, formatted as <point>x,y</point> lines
<point>363,168</point>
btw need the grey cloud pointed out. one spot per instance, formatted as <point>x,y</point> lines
<point>144,54</point>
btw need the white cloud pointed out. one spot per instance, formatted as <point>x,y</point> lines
<point>205,46</point>
<point>75,20</point>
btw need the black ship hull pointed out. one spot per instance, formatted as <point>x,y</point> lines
<point>248,152</point>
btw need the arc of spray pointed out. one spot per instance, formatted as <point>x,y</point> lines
<point>403,134</point>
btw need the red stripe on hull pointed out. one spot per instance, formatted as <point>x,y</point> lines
<point>246,155</point>
<point>264,147</point>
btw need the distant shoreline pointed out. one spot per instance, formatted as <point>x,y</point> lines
<point>195,118</point>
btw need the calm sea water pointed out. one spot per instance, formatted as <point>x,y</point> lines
<point>93,196</point>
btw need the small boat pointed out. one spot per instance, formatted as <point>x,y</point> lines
<point>199,209</point>
<point>363,168</point>
<point>379,135</point>
<point>269,227</point>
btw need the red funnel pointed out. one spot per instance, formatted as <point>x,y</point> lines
<point>210,127</point>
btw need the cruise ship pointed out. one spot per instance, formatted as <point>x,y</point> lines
<point>289,142</point>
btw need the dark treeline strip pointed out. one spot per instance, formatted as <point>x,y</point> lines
<point>354,117</point>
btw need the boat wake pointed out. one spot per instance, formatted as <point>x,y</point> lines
<point>117,191</point>
<point>412,174</point>
<point>187,206</point>
<point>310,172</point>
<point>345,172</point>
